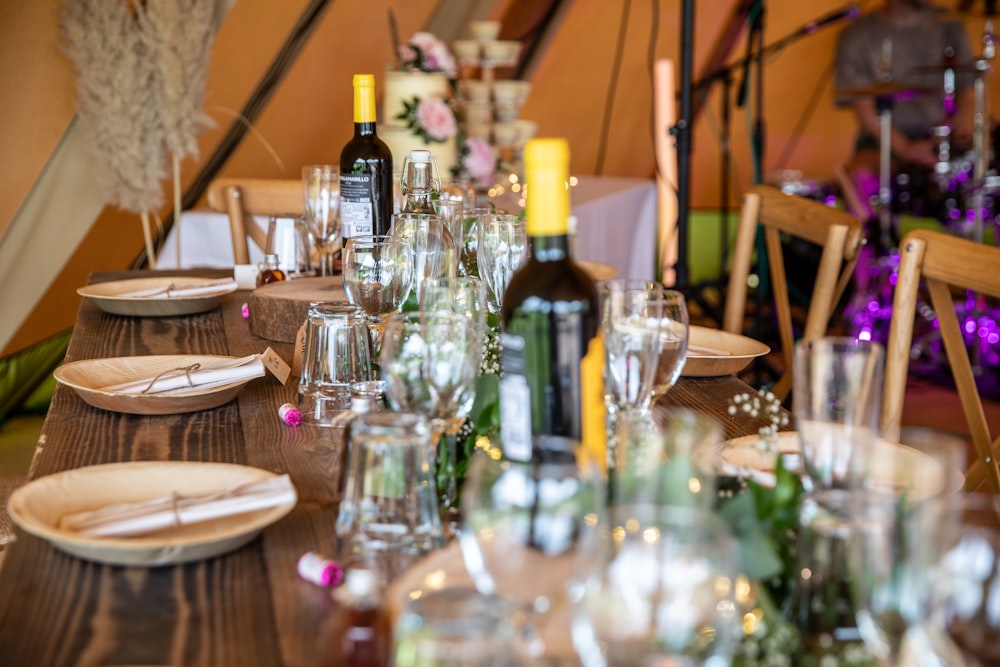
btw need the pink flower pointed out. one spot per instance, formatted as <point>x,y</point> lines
<point>436,120</point>
<point>435,56</point>
<point>479,160</point>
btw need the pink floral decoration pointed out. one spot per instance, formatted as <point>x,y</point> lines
<point>436,119</point>
<point>479,160</point>
<point>433,55</point>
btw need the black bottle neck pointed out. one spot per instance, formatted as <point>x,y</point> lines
<point>550,248</point>
<point>364,129</point>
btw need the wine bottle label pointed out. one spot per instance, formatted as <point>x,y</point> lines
<point>356,210</point>
<point>515,401</point>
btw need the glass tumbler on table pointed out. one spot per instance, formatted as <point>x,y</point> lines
<point>321,196</point>
<point>288,238</point>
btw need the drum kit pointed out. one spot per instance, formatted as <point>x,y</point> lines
<point>961,192</point>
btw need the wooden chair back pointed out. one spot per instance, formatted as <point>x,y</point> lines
<point>243,198</point>
<point>838,233</point>
<point>944,263</point>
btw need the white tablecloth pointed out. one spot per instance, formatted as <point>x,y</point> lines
<point>616,225</point>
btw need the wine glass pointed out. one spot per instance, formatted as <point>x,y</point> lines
<point>430,362</point>
<point>658,587</point>
<point>501,250</point>
<point>470,236</point>
<point>903,508</point>
<point>321,189</point>
<point>631,317</point>
<point>673,341</point>
<point>466,296</point>
<point>432,245</point>
<point>521,525</point>
<point>450,211</point>
<point>378,275</point>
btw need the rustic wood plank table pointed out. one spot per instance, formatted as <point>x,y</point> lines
<point>245,608</point>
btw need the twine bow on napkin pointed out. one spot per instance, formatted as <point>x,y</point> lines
<point>172,291</point>
<point>194,377</point>
<point>149,516</point>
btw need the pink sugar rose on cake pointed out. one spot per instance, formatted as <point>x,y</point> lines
<point>427,53</point>
<point>479,160</point>
<point>436,120</point>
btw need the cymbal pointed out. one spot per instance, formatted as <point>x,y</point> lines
<point>959,68</point>
<point>895,91</point>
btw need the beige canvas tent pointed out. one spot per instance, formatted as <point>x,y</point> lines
<point>590,65</point>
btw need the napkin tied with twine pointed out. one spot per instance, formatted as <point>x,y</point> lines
<point>175,510</point>
<point>197,376</point>
<point>186,290</point>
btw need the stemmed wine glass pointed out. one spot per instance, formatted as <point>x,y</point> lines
<point>432,246</point>
<point>321,190</point>
<point>502,249</point>
<point>631,316</point>
<point>430,361</point>
<point>378,275</point>
<point>469,257</point>
<point>521,526</point>
<point>466,296</point>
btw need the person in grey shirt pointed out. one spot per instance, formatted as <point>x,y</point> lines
<point>904,43</point>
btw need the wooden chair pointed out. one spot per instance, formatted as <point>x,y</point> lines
<point>943,262</point>
<point>243,198</point>
<point>840,235</point>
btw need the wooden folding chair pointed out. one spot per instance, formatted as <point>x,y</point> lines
<point>243,198</point>
<point>944,262</point>
<point>838,232</point>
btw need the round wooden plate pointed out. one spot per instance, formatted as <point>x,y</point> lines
<point>111,297</point>
<point>89,375</point>
<point>712,352</point>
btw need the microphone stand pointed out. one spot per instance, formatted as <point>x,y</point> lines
<point>725,76</point>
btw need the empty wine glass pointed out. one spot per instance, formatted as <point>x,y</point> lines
<point>466,296</point>
<point>378,275</point>
<point>321,190</point>
<point>673,341</point>
<point>429,363</point>
<point>658,588</point>
<point>522,521</point>
<point>469,257</point>
<point>451,214</point>
<point>502,249</point>
<point>433,247</point>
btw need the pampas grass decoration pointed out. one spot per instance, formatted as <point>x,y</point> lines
<point>140,70</point>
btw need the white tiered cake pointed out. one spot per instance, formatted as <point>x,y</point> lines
<point>402,87</point>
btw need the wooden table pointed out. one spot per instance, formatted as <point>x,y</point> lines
<point>245,608</point>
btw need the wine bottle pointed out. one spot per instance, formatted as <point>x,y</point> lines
<point>365,170</point>
<point>551,392</point>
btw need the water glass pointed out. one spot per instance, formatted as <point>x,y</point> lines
<point>389,506</point>
<point>336,356</point>
<point>453,627</point>
<point>673,341</point>
<point>501,250</point>
<point>837,396</point>
<point>321,197</point>
<point>288,238</point>
<point>658,588</point>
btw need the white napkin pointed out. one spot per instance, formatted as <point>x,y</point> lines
<point>128,519</point>
<point>194,377</point>
<point>171,291</point>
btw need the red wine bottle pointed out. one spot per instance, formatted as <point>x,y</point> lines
<point>366,187</point>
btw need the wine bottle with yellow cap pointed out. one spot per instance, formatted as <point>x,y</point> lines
<point>551,391</point>
<point>366,187</point>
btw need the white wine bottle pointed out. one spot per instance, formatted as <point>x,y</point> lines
<point>366,186</point>
<point>552,392</point>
